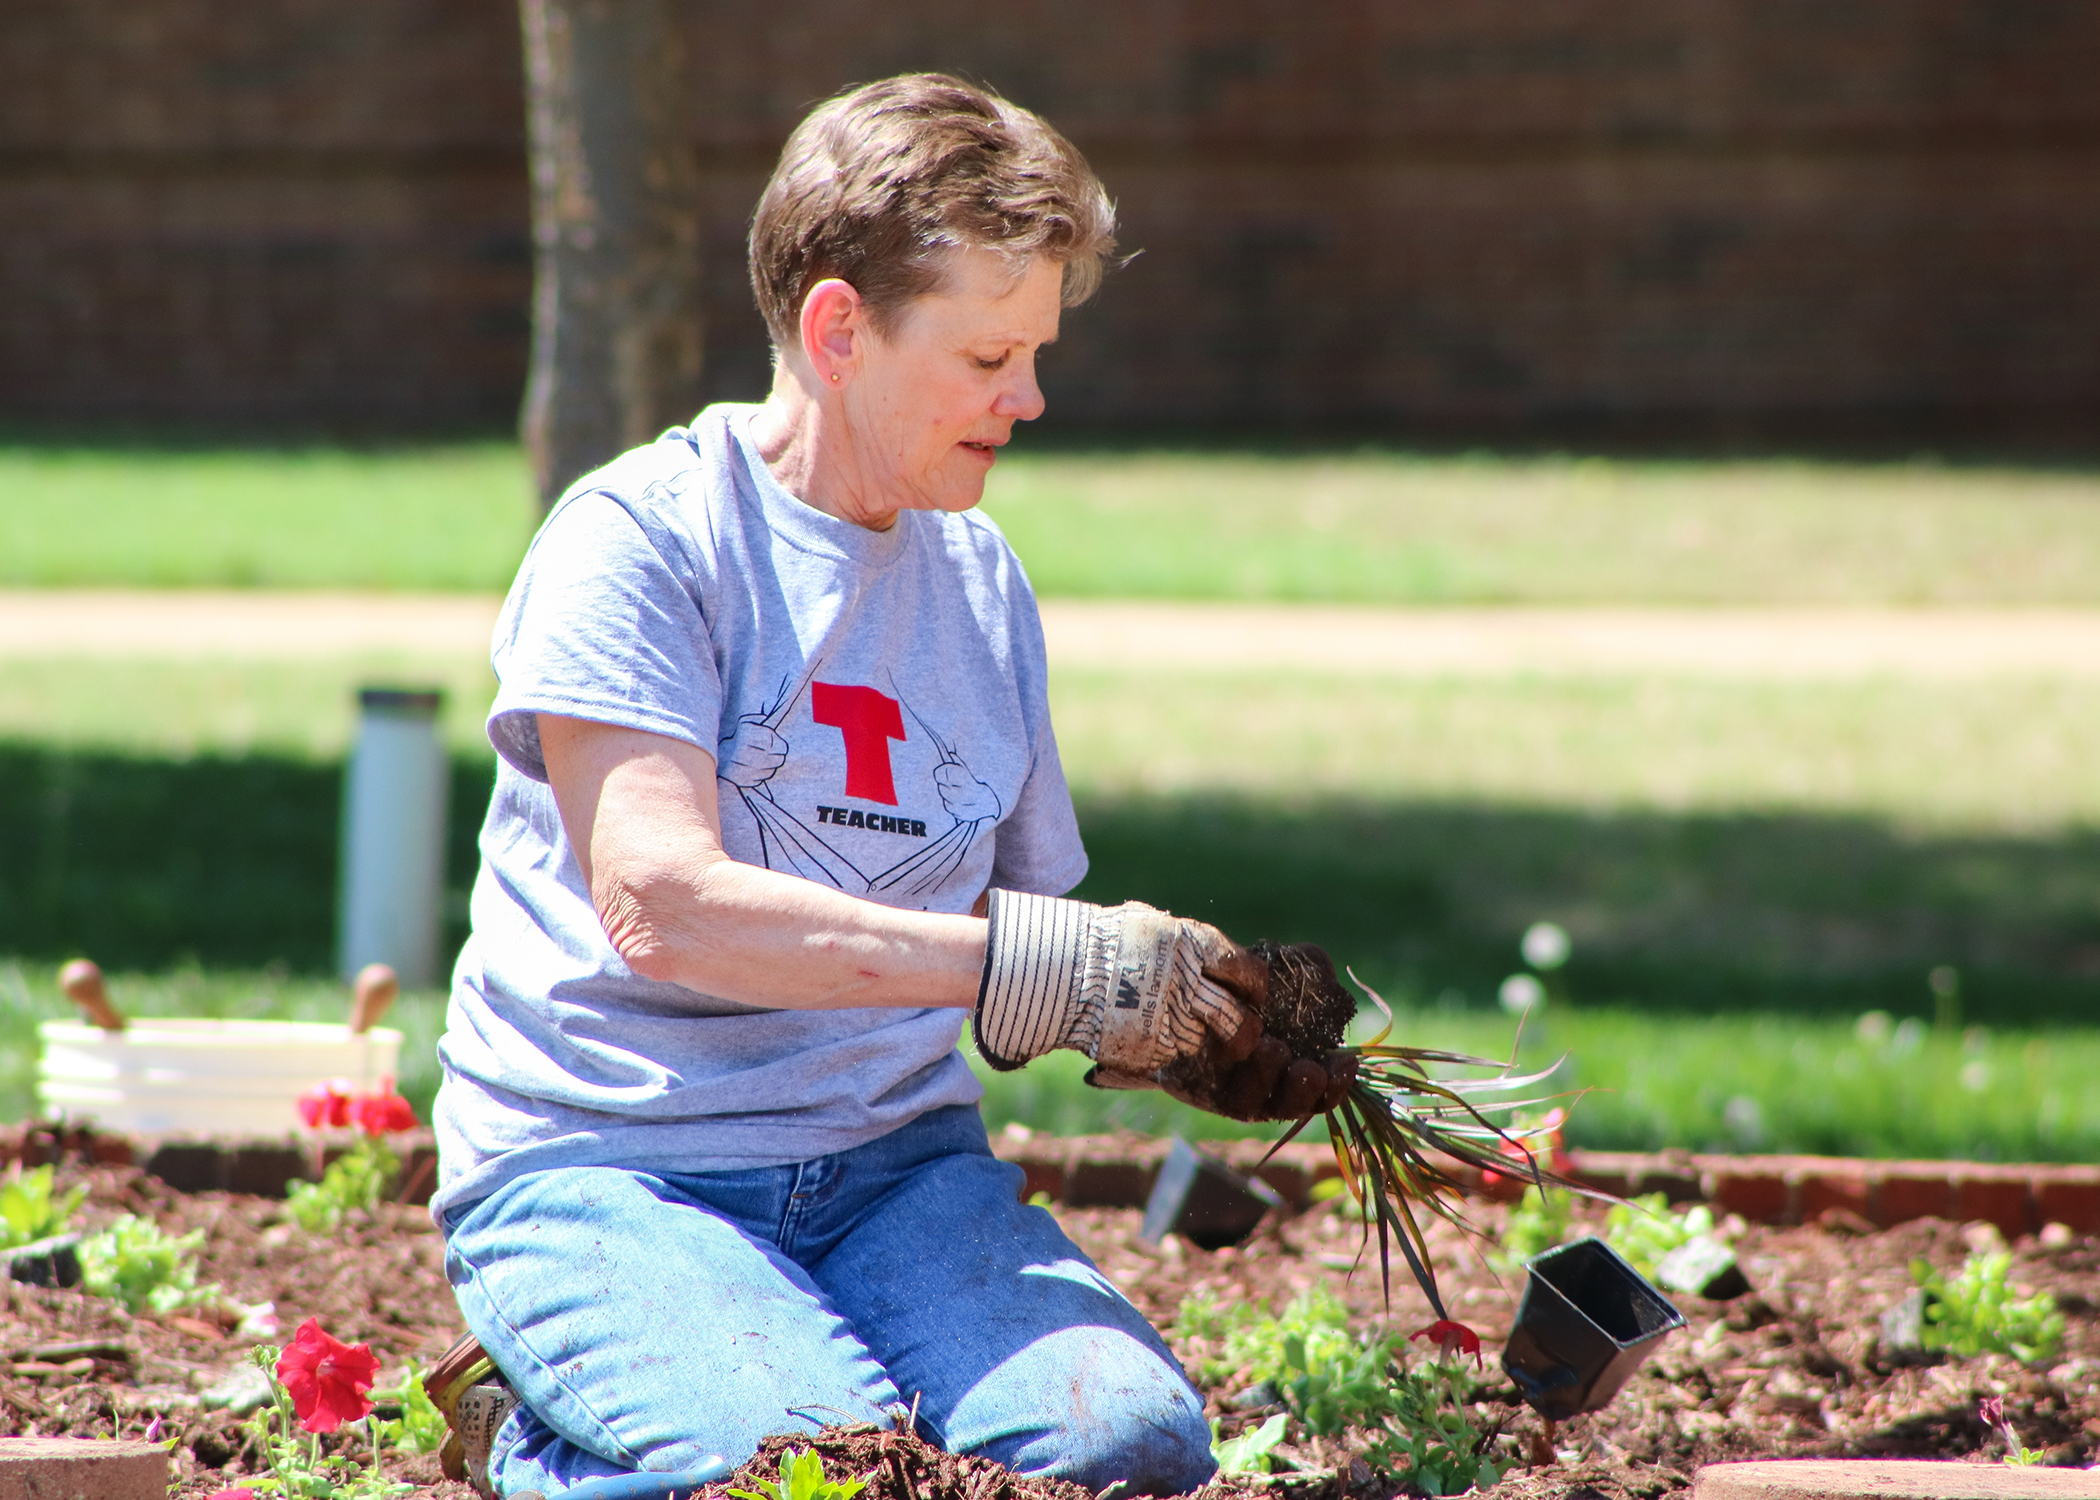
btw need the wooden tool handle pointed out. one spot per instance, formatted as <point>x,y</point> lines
<point>82,982</point>
<point>370,995</point>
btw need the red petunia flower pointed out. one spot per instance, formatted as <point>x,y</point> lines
<point>1449,1336</point>
<point>384,1112</point>
<point>326,1378</point>
<point>325,1104</point>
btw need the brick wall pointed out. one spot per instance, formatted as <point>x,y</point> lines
<point>1737,216</point>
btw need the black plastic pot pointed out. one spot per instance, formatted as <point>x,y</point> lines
<point>1587,1321</point>
<point>1204,1201</point>
<point>52,1262</point>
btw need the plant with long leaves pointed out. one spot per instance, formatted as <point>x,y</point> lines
<point>1400,1132</point>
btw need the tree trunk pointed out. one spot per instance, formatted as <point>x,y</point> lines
<point>616,323</point>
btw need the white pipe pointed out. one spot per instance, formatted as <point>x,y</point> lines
<point>393,866</point>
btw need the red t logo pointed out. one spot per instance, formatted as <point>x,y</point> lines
<point>869,721</point>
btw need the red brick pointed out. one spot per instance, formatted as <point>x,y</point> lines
<point>1759,1193</point>
<point>1999,1196</point>
<point>1826,1183</point>
<point>1912,1190</point>
<point>1609,1171</point>
<point>356,248</point>
<point>2070,1196</point>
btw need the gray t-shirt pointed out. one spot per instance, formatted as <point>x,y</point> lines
<point>876,705</point>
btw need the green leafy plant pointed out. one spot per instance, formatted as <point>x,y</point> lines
<point>356,1179</point>
<point>30,1210</point>
<point>1978,1311</point>
<point>802,1477</point>
<point>1643,1229</point>
<point>136,1262</point>
<point>1332,1380</point>
<point>1249,1452</point>
<point>1539,1221</point>
<point>420,1427</point>
<point>1426,1435</point>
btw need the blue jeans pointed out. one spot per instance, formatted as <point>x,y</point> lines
<point>650,1320</point>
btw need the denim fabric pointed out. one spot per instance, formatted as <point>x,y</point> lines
<point>651,1319</point>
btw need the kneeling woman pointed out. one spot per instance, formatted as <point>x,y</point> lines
<point>779,804</point>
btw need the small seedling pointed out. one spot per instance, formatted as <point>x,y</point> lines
<point>1539,1222</point>
<point>356,1179</point>
<point>1427,1436</point>
<point>1249,1452</point>
<point>136,1262</point>
<point>1991,1409</point>
<point>30,1210</point>
<point>1333,1380</point>
<point>420,1428</point>
<point>802,1477</point>
<point>1643,1230</point>
<point>1979,1313</point>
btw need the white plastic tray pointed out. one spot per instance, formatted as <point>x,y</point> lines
<point>228,1078</point>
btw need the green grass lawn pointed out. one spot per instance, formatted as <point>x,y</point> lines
<point>1808,846</point>
<point>439,517</point>
<point>1354,526</point>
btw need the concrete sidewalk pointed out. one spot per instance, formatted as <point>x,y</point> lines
<point>1082,634</point>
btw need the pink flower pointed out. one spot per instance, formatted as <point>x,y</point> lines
<point>1448,1336</point>
<point>1524,1146</point>
<point>326,1378</point>
<point>384,1112</point>
<point>1992,1410</point>
<point>325,1104</point>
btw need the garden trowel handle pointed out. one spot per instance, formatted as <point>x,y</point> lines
<point>370,994</point>
<point>82,982</point>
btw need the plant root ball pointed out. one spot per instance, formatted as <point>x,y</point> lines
<point>1307,1009</point>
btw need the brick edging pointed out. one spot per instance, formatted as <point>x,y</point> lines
<point>1117,1171</point>
<point>265,1168</point>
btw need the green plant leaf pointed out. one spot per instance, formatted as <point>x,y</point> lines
<point>1249,1452</point>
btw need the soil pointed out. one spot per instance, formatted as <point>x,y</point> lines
<point>1307,1008</point>
<point>1794,1368</point>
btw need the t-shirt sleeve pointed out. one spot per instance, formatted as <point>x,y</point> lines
<point>1039,850</point>
<point>601,625</point>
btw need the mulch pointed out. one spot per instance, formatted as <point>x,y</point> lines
<point>1794,1368</point>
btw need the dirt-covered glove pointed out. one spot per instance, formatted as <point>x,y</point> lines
<point>1134,988</point>
<point>1300,1066</point>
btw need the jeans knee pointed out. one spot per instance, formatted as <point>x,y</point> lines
<point>1141,1452</point>
<point>1095,1406</point>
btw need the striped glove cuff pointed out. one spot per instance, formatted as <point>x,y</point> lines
<point>1093,979</point>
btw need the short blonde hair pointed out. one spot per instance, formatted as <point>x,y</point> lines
<point>878,184</point>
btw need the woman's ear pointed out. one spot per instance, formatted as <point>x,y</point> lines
<point>833,323</point>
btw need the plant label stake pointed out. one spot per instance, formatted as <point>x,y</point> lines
<point>1587,1321</point>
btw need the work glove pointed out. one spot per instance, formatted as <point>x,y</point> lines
<point>1156,1000</point>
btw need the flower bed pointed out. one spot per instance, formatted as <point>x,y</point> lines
<point>1797,1366</point>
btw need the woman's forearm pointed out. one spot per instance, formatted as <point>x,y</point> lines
<point>641,814</point>
<point>752,935</point>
